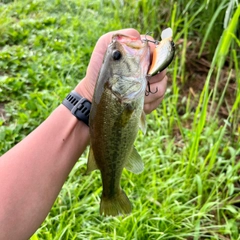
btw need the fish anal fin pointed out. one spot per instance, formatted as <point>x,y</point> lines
<point>134,163</point>
<point>91,164</point>
<point>116,205</point>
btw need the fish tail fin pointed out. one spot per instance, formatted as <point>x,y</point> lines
<point>119,204</point>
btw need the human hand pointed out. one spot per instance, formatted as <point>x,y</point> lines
<point>86,87</point>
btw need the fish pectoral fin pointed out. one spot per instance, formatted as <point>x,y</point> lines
<point>143,122</point>
<point>134,163</point>
<point>91,164</point>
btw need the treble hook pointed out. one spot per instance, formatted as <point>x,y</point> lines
<point>156,42</point>
<point>148,90</point>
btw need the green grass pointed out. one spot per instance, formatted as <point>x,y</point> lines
<point>190,186</point>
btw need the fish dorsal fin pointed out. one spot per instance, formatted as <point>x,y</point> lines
<point>134,163</point>
<point>91,164</point>
<point>143,122</point>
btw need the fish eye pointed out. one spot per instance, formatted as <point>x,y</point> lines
<point>116,55</point>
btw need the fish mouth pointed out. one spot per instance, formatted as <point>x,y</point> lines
<point>134,47</point>
<point>130,41</point>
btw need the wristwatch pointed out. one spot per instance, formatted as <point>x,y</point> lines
<point>78,105</point>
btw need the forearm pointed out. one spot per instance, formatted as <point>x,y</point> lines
<point>33,172</point>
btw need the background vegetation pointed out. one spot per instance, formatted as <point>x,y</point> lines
<point>190,186</point>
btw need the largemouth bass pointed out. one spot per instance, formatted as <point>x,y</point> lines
<point>115,117</point>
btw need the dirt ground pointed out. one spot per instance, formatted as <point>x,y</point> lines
<point>197,69</point>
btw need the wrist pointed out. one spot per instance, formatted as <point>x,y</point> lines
<point>84,90</point>
<point>79,106</point>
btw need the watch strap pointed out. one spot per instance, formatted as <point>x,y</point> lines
<point>78,105</point>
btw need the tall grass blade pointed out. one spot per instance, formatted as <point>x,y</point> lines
<point>223,48</point>
<point>211,26</point>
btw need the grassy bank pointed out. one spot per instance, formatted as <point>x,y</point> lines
<point>190,186</point>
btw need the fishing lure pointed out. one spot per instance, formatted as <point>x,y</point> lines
<point>162,55</point>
